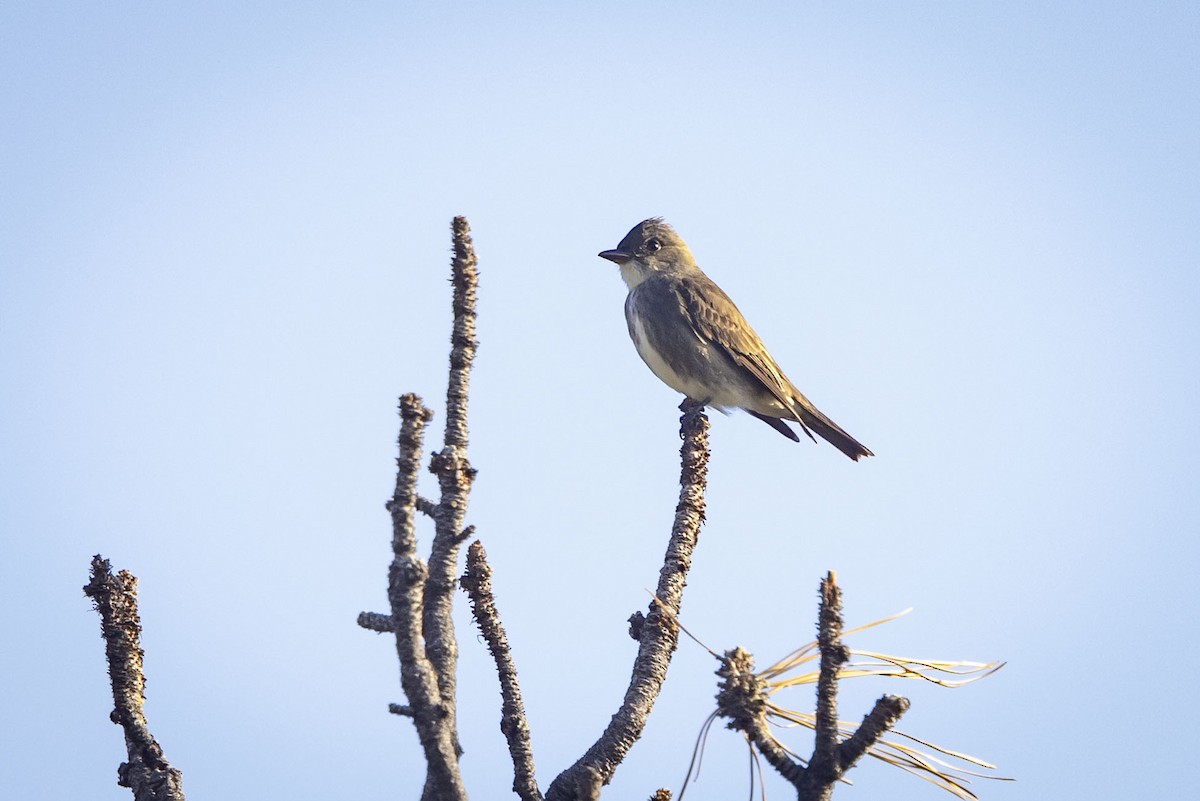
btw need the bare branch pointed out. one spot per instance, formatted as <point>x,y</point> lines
<point>375,621</point>
<point>477,581</point>
<point>875,724</point>
<point>406,583</point>
<point>659,633</point>
<point>825,767</point>
<point>147,772</point>
<point>454,474</point>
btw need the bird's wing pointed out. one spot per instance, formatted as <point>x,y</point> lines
<point>716,319</point>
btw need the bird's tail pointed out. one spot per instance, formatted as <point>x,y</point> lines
<point>831,432</point>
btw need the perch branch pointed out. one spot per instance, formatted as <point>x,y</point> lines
<point>659,633</point>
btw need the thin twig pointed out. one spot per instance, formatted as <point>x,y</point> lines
<point>477,581</point>
<point>147,772</point>
<point>658,634</point>
<point>375,621</point>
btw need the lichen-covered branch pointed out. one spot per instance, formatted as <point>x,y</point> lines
<point>421,594</point>
<point>454,474</point>
<point>147,772</point>
<point>658,633</point>
<point>477,581</point>
<point>406,583</point>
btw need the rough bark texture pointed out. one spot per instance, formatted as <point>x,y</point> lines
<point>477,581</point>
<point>659,633</point>
<point>825,767</point>
<point>454,474</point>
<point>421,595</point>
<point>406,584</point>
<point>147,772</point>
<point>742,700</point>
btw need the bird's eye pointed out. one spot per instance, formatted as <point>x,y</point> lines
<point>653,245</point>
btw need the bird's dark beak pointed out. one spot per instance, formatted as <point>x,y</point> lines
<point>615,256</point>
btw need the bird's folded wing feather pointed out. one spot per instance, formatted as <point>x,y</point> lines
<point>716,319</point>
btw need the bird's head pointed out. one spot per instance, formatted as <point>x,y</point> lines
<point>650,247</point>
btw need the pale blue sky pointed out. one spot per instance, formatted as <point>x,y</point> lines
<point>967,231</point>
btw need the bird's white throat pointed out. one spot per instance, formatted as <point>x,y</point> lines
<point>633,273</point>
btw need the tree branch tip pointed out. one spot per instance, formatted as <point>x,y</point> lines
<point>897,703</point>
<point>377,622</point>
<point>476,555</point>
<point>883,716</point>
<point>101,574</point>
<point>403,710</point>
<point>413,408</point>
<point>478,572</point>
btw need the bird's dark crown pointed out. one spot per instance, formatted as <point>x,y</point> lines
<point>649,237</point>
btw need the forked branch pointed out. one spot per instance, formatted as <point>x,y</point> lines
<point>421,594</point>
<point>742,699</point>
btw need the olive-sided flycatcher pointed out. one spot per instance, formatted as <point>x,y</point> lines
<point>693,337</point>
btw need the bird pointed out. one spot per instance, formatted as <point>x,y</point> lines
<point>694,338</point>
